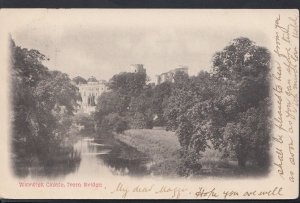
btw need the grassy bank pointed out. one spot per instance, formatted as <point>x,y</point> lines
<point>162,150</point>
<point>159,145</point>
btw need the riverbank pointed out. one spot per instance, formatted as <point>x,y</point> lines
<point>162,150</point>
<point>160,146</point>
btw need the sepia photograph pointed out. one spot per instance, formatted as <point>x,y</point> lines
<point>141,94</point>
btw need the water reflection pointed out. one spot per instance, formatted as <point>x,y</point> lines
<point>59,162</point>
<point>100,158</point>
<point>86,158</point>
<point>124,159</point>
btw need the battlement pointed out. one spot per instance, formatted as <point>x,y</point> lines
<point>169,76</point>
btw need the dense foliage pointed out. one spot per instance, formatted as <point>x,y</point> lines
<point>79,80</point>
<point>127,104</point>
<point>43,102</point>
<point>228,108</point>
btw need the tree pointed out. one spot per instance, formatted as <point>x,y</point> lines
<point>57,90</point>
<point>243,68</point>
<point>140,109</point>
<point>113,122</point>
<point>188,111</point>
<point>27,71</point>
<point>79,80</point>
<point>42,103</point>
<point>161,94</point>
<point>248,137</point>
<point>112,101</point>
<point>128,84</point>
<point>246,67</point>
<point>180,79</point>
<point>129,98</point>
<point>227,107</point>
<point>56,97</point>
<point>86,121</point>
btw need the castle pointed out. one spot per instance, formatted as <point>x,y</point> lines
<point>93,89</point>
<point>169,76</point>
<point>137,68</point>
<point>90,92</point>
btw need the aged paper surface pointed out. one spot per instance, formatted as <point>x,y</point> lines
<point>103,43</point>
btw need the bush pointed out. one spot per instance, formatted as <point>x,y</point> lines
<point>86,121</point>
<point>114,122</point>
<point>189,163</point>
<point>140,121</point>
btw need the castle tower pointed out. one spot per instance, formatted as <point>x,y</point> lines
<point>137,68</point>
<point>169,76</point>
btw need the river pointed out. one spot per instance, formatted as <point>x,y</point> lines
<point>88,157</point>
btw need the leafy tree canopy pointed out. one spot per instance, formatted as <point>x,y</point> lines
<point>79,80</point>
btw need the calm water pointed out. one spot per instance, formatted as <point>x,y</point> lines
<point>87,158</point>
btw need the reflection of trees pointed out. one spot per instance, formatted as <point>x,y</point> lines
<point>59,162</point>
<point>124,157</point>
<point>134,167</point>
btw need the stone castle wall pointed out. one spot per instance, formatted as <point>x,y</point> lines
<point>89,94</point>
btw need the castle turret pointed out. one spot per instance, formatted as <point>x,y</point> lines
<point>137,68</point>
<point>169,76</point>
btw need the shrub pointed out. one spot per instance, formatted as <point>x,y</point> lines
<point>189,163</point>
<point>86,121</point>
<point>114,122</point>
<point>140,121</point>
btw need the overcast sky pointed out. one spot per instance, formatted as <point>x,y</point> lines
<point>102,43</point>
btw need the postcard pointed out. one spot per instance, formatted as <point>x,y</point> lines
<point>149,103</point>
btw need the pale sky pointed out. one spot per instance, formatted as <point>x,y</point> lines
<point>102,43</point>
